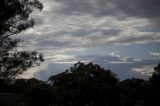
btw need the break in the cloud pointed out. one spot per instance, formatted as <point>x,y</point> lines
<point>76,26</point>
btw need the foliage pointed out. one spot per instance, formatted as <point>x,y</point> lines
<point>14,18</point>
<point>86,84</point>
<point>14,15</point>
<point>32,92</point>
<point>156,75</point>
<point>40,97</point>
<point>134,92</point>
<point>155,86</point>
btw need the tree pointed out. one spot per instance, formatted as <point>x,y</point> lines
<point>40,97</point>
<point>156,75</point>
<point>155,86</point>
<point>134,92</point>
<point>14,18</point>
<point>85,85</point>
<point>32,92</point>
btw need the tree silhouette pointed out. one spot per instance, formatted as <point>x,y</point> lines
<point>14,18</point>
<point>86,85</point>
<point>40,97</point>
<point>134,92</point>
<point>155,86</point>
<point>156,75</point>
<point>32,92</point>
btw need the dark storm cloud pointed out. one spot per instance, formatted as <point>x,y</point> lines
<point>133,8</point>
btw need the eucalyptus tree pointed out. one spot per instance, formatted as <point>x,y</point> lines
<point>14,19</point>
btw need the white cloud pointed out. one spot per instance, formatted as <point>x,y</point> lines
<point>30,72</point>
<point>155,54</point>
<point>144,70</point>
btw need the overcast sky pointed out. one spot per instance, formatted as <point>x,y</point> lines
<point>122,35</point>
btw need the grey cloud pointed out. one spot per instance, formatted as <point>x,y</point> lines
<point>110,32</point>
<point>89,31</point>
<point>92,58</point>
<point>135,39</point>
<point>38,20</point>
<point>93,23</point>
<point>133,8</point>
<point>96,58</point>
<point>149,28</point>
<point>129,59</point>
<point>75,33</point>
<point>93,40</point>
<point>53,43</point>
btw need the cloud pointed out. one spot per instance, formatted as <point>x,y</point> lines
<point>66,26</point>
<point>144,70</point>
<point>30,72</point>
<point>102,31</point>
<point>108,58</point>
<point>57,26</point>
<point>129,59</point>
<point>155,54</point>
<point>132,8</point>
<point>136,69</point>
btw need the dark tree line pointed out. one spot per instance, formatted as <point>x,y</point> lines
<point>86,85</point>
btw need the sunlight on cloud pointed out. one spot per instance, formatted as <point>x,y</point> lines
<point>145,70</point>
<point>30,72</point>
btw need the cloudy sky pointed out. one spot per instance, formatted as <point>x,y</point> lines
<point>121,35</point>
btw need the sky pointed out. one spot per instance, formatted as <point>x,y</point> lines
<point>120,35</point>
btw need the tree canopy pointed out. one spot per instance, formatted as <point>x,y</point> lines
<point>14,18</point>
<point>86,84</point>
<point>14,15</point>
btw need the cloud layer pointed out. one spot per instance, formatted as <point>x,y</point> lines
<point>66,26</point>
<point>132,8</point>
